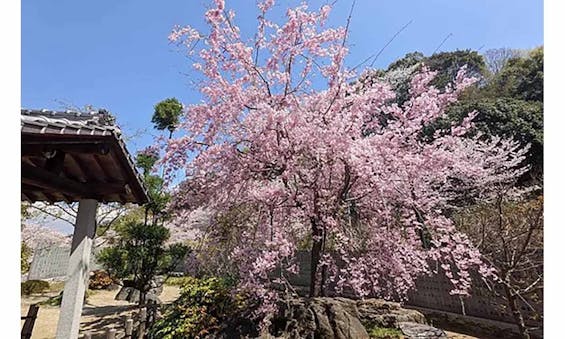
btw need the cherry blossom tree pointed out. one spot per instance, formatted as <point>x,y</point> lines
<point>307,154</point>
<point>36,236</point>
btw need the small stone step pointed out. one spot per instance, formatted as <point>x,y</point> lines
<point>420,331</point>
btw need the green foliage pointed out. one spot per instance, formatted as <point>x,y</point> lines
<point>34,287</point>
<point>520,78</point>
<point>506,117</point>
<point>385,333</point>
<point>53,301</point>
<point>204,304</point>
<point>509,103</point>
<point>100,280</point>
<point>140,254</point>
<point>133,215</point>
<point>158,197</point>
<point>146,162</point>
<point>167,114</point>
<point>177,281</point>
<point>409,60</point>
<point>447,64</point>
<point>25,256</point>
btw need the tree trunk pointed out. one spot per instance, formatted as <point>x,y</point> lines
<point>518,319</point>
<point>316,254</point>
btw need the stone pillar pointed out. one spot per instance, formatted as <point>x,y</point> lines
<point>78,270</point>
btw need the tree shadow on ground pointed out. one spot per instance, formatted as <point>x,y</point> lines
<point>102,318</point>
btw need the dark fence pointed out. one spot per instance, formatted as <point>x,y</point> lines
<point>29,321</point>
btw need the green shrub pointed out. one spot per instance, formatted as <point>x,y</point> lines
<point>177,281</point>
<point>385,333</point>
<point>204,304</point>
<point>34,287</point>
<point>100,280</point>
<point>25,257</point>
<point>53,301</point>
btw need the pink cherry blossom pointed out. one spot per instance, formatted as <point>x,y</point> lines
<point>342,168</point>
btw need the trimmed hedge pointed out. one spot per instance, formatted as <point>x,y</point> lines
<point>34,287</point>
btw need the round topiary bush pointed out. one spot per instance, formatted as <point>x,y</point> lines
<point>34,287</point>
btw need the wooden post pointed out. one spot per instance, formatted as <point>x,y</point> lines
<point>111,333</point>
<point>29,321</point>
<point>77,272</point>
<point>129,327</point>
<point>152,310</point>
<point>142,320</point>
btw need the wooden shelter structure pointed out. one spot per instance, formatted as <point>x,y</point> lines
<point>76,157</point>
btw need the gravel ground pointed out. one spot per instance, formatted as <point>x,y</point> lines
<point>101,312</point>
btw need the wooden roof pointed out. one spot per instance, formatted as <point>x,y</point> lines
<point>68,156</point>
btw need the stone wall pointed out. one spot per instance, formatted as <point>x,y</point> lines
<point>432,292</point>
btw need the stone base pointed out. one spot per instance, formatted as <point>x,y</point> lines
<point>340,318</point>
<point>132,295</point>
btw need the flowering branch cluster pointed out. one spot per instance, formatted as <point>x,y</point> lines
<point>343,167</point>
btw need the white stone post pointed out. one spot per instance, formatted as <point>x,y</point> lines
<point>78,270</point>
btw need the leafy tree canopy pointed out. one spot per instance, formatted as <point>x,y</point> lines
<point>166,115</point>
<point>520,78</point>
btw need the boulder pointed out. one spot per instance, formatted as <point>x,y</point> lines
<point>339,318</point>
<point>381,313</point>
<point>131,294</point>
<point>124,293</point>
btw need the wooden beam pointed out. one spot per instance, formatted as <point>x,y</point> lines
<point>67,199</point>
<point>40,196</point>
<point>130,176</point>
<point>33,161</point>
<point>56,163</point>
<point>82,169</point>
<point>39,148</point>
<point>99,163</point>
<point>48,181</point>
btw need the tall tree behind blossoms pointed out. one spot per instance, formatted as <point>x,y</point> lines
<point>342,167</point>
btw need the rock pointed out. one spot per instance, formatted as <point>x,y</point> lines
<point>319,318</point>
<point>381,313</point>
<point>340,318</point>
<point>152,297</point>
<point>131,294</point>
<point>113,287</point>
<point>124,293</point>
<point>416,331</point>
<point>344,324</point>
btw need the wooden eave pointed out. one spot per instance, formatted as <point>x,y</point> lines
<point>69,161</point>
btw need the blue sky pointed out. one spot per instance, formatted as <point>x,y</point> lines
<point>115,54</point>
